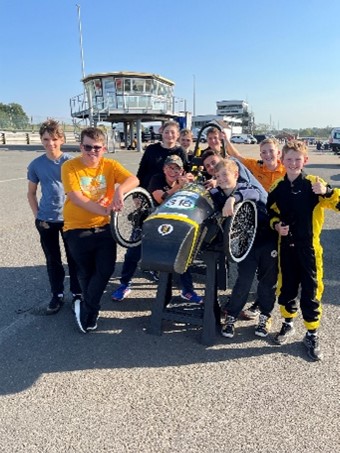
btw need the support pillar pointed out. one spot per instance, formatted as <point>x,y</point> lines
<point>139,136</point>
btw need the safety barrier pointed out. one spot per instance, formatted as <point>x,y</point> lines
<point>29,138</point>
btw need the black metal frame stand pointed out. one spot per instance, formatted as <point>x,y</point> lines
<point>207,316</point>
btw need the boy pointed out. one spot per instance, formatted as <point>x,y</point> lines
<point>94,186</point>
<point>46,171</point>
<point>186,141</point>
<point>266,171</point>
<point>296,205</point>
<point>262,257</point>
<point>211,157</point>
<point>162,186</point>
<point>151,163</point>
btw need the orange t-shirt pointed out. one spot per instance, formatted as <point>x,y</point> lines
<point>265,176</point>
<point>98,184</point>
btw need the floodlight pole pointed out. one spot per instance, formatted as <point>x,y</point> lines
<point>194,95</point>
<point>87,93</point>
<point>81,43</point>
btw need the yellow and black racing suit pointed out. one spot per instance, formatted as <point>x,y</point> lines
<point>300,253</point>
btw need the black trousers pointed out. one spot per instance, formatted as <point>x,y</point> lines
<point>301,268</point>
<point>50,233</point>
<point>262,259</point>
<point>95,252</point>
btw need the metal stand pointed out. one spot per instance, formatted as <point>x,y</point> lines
<point>207,316</point>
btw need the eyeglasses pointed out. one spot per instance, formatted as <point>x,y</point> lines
<point>89,148</point>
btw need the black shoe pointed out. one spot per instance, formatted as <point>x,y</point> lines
<point>287,330</point>
<point>92,322</point>
<point>79,315</point>
<point>76,297</point>
<point>263,327</point>
<point>313,346</point>
<point>55,305</point>
<point>228,330</point>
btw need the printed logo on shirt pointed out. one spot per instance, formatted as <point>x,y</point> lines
<point>93,188</point>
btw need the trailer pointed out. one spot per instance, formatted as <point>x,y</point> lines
<point>334,140</point>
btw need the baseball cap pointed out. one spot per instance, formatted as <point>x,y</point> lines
<point>174,159</point>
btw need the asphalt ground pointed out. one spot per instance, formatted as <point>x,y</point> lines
<point>120,389</point>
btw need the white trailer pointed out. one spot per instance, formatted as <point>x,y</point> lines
<point>334,140</point>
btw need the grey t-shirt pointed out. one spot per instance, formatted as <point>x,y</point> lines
<point>47,173</point>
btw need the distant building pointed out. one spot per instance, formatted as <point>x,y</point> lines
<point>236,113</point>
<point>199,121</point>
<point>130,98</point>
<point>239,110</point>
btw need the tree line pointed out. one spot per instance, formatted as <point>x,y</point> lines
<point>318,132</point>
<point>13,117</point>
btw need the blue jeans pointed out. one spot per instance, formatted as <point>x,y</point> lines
<point>50,233</point>
<point>95,251</point>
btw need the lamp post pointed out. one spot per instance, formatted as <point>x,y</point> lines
<point>194,95</point>
<point>85,94</point>
<point>81,43</point>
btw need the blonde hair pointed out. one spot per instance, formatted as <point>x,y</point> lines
<point>185,131</point>
<point>273,141</point>
<point>227,164</point>
<point>295,145</point>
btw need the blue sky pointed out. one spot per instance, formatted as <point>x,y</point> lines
<point>280,56</point>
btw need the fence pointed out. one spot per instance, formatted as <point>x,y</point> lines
<point>28,138</point>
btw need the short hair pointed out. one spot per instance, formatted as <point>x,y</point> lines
<point>208,153</point>
<point>169,123</point>
<point>185,131</point>
<point>228,164</point>
<point>295,145</point>
<point>273,141</point>
<point>213,130</point>
<point>93,132</point>
<point>52,127</point>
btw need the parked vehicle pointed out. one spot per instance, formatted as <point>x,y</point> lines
<point>260,137</point>
<point>195,133</point>
<point>252,139</point>
<point>146,136</point>
<point>325,146</point>
<point>334,140</point>
<point>240,139</point>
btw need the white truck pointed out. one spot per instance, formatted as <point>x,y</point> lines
<point>334,140</point>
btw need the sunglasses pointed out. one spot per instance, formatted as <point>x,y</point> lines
<point>89,148</point>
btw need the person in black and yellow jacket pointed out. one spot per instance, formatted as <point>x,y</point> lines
<point>296,205</point>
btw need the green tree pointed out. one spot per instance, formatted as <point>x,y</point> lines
<point>12,116</point>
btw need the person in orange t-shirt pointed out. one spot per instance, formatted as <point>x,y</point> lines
<point>94,186</point>
<point>266,170</point>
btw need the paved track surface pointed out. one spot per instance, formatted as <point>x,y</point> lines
<point>122,390</point>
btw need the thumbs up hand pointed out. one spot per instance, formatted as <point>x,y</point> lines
<point>319,188</point>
